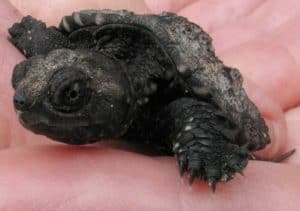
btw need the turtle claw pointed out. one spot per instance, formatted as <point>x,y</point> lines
<point>212,183</point>
<point>192,177</point>
<point>215,164</point>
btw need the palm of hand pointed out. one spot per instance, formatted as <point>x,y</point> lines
<point>256,36</point>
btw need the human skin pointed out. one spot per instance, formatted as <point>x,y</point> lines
<point>261,38</point>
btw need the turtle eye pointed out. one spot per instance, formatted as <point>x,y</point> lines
<point>69,97</point>
<point>69,91</point>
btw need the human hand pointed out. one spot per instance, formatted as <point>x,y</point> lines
<point>258,37</point>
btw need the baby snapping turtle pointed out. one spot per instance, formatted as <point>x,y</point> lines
<point>155,79</point>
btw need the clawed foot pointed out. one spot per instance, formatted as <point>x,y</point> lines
<point>211,163</point>
<point>24,32</point>
<point>32,37</point>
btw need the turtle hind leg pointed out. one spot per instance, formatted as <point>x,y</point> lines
<point>32,37</point>
<point>203,141</point>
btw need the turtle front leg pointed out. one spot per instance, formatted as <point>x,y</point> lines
<point>202,140</point>
<point>32,37</point>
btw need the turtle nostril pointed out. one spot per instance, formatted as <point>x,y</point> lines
<point>20,102</point>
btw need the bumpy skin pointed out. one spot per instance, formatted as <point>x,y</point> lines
<point>152,78</point>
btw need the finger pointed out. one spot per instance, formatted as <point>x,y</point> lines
<point>53,10</point>
<point>11,132</point>
<point>223,12</point>
<point>262,21</point>
<point>8,16</point>
<point>270,66</point>
<point>293,125</point>
<point>65,178</point>
<point>274,117</point>
<point>277,76</point>
<point>288,37</point>
<point>9,56</point>
<point>158,6</point>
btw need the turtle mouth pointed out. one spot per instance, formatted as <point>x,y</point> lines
<point>31,119</point>
<point>69,132</point>
<point>28,119</point>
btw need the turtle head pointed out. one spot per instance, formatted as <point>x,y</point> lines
<point>76,97</point>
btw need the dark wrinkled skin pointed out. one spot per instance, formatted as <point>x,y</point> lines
<point>113,74</point>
